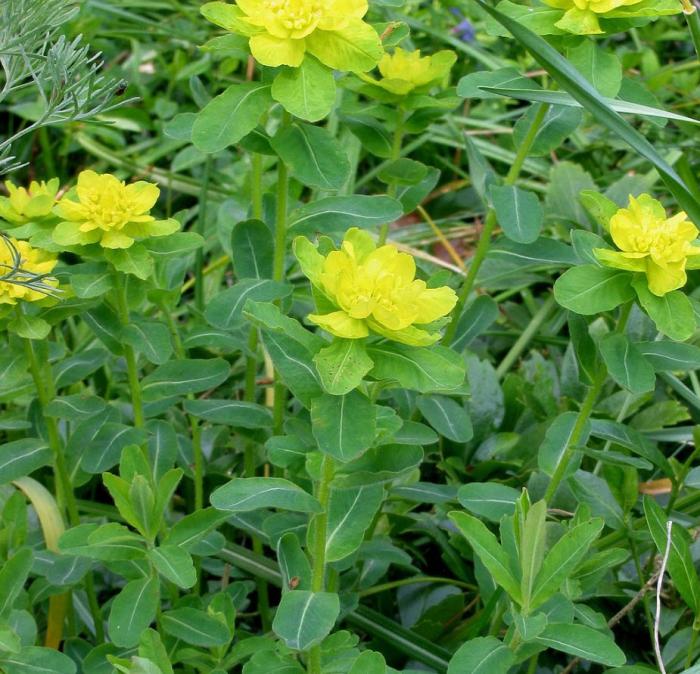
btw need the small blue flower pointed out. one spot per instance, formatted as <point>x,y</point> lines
<point>465,30</point>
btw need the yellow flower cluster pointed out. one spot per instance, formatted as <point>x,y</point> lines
<point>373,290</point>
<point>406,71</point>
<point>581,16</point>
<point>21,257</point>
<point>282,32</point>
<point>109,212</point>
<point>652,243</point>
<point>25,204</point>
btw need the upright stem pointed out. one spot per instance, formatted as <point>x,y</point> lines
<point>691,16</point>
<point>131,367</point>
<point>320,524</point>
<point>278,267</point>
<point>44,384</point>
<point>525,337</point>
<point>195,429</point>
<point>201,225</point>
<point>65,498</point>
<point>395,154</point>
<point>584,413</point>
<point>484,244</point>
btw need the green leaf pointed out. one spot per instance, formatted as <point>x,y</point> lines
<point>252,250</point>
<point>600,67</point>
<point>562,559</point>
<point>294,564</point>
<point>417,368</point>
<point>333,215</point>
<point>379,464</point>
<point>569,79</point>
<point>225,310</point>
<point>447,417</point>
<point>151,646</point>
<point>532,545</point>
<point>626,364</point>
<point>107,445</point>
<point>350,514</point>
<point>518,211</point>
<point>672,314</point>
<point>268,316</point>
<point>230,116</point>
<point>307,92</point>
<point>180,377</point>
<point>666,356</point>
<point>491,554</point>
<point>403,171</point>
<point>558,124</point>
<point>150,338</point>
<point>563,100</point>
<point>195,627</point>
<point>583,642</point>
<point>490,500</point>
<point>29,327</point>
<point>478,317</point>
<point>681,566</point>
<point>556,439</point>
<point>134,261</point>
<point>13,575</point>
<point>252,493</point>
<point>22,457</point>
<point>478,84</point>
<point>334,422</point>
<point>342,365</point>
<point>303,619</point>
<point>294,365</point>
<point>589,289</point>
<point>38,660</point>
<point>369,662</point>
<point>236,413</point>
<point>174,564</point>
<point>483,655</point>
<point>133,610</point>
<point>313,156</point>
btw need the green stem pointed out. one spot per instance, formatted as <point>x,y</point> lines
<point>256,191</point>
<point>44,384</point>
<point>278,265</point>
<point>395,154</point>
<point>586,408</point>
<point>412,580</point>
<point>320,525</point>
<point>532,667</point>
<point>278,269</point>
<point>201,226</point>
<point>584,413</point>
<point>691,649</point>
<point>525,337</point>
<point>484,243</point>
<point>249,470</point>
<point>129,355</point>
<point>693,19</point>
<point>195,429</point>
<point>65,497</point>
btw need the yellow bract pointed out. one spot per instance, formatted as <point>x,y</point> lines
<point>404,71</point>
<point>109,212</point>
<point>373,289</point>
<point>31,260</point>
<point>581,16</point>
<point>652,243</point>
<point>25,204</point>
<point>281,32</point>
